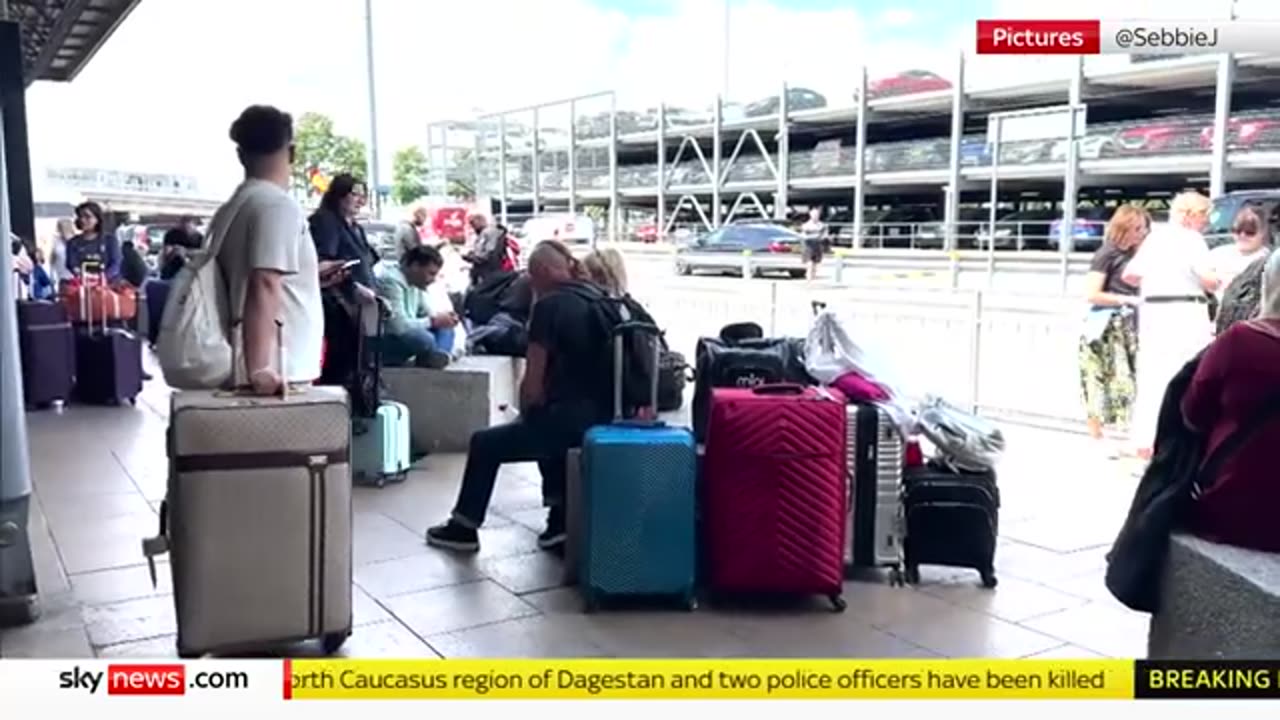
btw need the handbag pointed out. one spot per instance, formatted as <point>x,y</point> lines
<point>1137,557</point>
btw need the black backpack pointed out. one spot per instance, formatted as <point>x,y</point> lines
<point>638,351</point>
<point>1242,299</point>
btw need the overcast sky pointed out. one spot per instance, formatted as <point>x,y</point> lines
<point>162,93</point>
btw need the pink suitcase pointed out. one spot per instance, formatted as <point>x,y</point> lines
<point>776,496</point>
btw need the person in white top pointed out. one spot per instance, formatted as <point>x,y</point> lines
<point>1173,272</point>
<point>1252,242</point>
<point>269,261</point>
<point>815,237</point>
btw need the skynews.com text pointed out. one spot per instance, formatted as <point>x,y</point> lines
<point>149,679</point>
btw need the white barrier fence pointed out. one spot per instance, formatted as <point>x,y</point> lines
<point>1008,356</point>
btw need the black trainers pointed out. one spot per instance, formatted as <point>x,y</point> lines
<point>453,536</point>
<point>553,537</point>
<point>434,360</point>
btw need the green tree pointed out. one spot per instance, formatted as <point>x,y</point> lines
<point>318,147</point>
<point>408,175</point>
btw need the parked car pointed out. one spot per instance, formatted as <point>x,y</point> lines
<point>797,99</point>
<point>646,233</point>
<point>897,226</point>
<point>1090,229</point>
<point>1154,138</point>
<point>933,235</point>
<point>1245,133</point>
<point>1020,229</point>
<point>1223,214</point>
<point>721,250</point>
<point>907,83</point>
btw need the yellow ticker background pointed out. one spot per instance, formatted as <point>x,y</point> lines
<point>713,679</point>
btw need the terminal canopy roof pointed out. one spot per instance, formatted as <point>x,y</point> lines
<point>59,37</point>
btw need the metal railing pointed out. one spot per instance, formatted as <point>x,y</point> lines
<point>1008,356</point>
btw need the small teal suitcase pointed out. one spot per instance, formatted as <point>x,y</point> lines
<point>638,501</point>
<point>380,446</point>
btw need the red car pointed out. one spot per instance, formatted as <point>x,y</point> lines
<point>647,233</point>
<point>1244,133</point>
<point>907,83</point>
<point>1154,139</point>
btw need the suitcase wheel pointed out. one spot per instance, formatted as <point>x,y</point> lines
<point>838,604</point>
<point>691,604</point>
<point>911,574</point>
<point>590,603</point>
<point>332,642</point>
<point>189,654</point>
<point>989,579</point>
<point>895,577</point>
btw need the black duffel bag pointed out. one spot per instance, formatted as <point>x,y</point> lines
<point>507,292</point>
<point>673,374</point>
<point>742,363</point>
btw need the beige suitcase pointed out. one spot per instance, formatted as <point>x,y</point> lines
<point>572,515</point>
<point>257,519</point>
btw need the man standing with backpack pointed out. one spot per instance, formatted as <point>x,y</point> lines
<point>566,389</point>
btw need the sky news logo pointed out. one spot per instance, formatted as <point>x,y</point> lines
<point>150,679</point>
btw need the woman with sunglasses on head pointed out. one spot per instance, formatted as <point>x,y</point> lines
<point>1252,243</point>
<point>1241,298</point>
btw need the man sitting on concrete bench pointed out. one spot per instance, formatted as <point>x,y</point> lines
<point>415,333</point>
<point>561,396</point>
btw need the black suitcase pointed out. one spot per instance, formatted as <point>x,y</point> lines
<point>952,518</point>
<point>48,350</point>
<point>108,366</point>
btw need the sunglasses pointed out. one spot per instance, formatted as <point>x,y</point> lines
<point>1247,229</point>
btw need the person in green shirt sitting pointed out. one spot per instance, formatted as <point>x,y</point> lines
<point>416,333</point>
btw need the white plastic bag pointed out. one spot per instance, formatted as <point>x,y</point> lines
<point>964,441</point>
<point>830,352</point>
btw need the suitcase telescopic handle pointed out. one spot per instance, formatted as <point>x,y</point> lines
<point>620,333</point>
<point>779,389</point>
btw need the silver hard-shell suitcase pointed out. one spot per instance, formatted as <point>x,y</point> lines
<point>257,519</point>
<point>876,456</point>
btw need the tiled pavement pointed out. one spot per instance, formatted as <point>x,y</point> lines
<point>99,475</point>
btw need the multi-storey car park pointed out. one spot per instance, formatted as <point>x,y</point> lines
<point>880,159</point>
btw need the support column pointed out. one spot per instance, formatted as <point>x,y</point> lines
<point>781,196</point>
<point>951,212</point>
<point>502,169</point>
<point>661,220</point>
<point>17,571</point>
<point>573,158</point>
<point>717,155</point>
<point>860,162</point>
<point>1221,118</point>
<point>615,212</point>
<point>17,149</point>
<point>1071,179</point>
<point>536,180</point>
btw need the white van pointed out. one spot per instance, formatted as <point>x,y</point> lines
<point>569,229</point>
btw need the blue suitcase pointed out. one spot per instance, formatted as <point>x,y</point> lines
<point>380,446</point>
<point>637,504</point>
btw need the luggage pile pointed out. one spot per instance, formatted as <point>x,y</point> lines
<point>788,484</point>
<point>80,346</point>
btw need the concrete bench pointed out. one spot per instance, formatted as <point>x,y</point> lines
<point>447,406</point>
<point>1217,602</point>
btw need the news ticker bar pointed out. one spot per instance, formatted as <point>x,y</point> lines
<point>828,679</point>
<point>1142,37</point>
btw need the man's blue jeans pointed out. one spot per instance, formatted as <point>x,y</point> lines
<point>417,343</point>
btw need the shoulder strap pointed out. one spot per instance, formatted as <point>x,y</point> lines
<point>1233,443</point>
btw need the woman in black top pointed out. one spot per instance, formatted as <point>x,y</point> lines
<point>339,236</point>
<point>1109,343</point>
